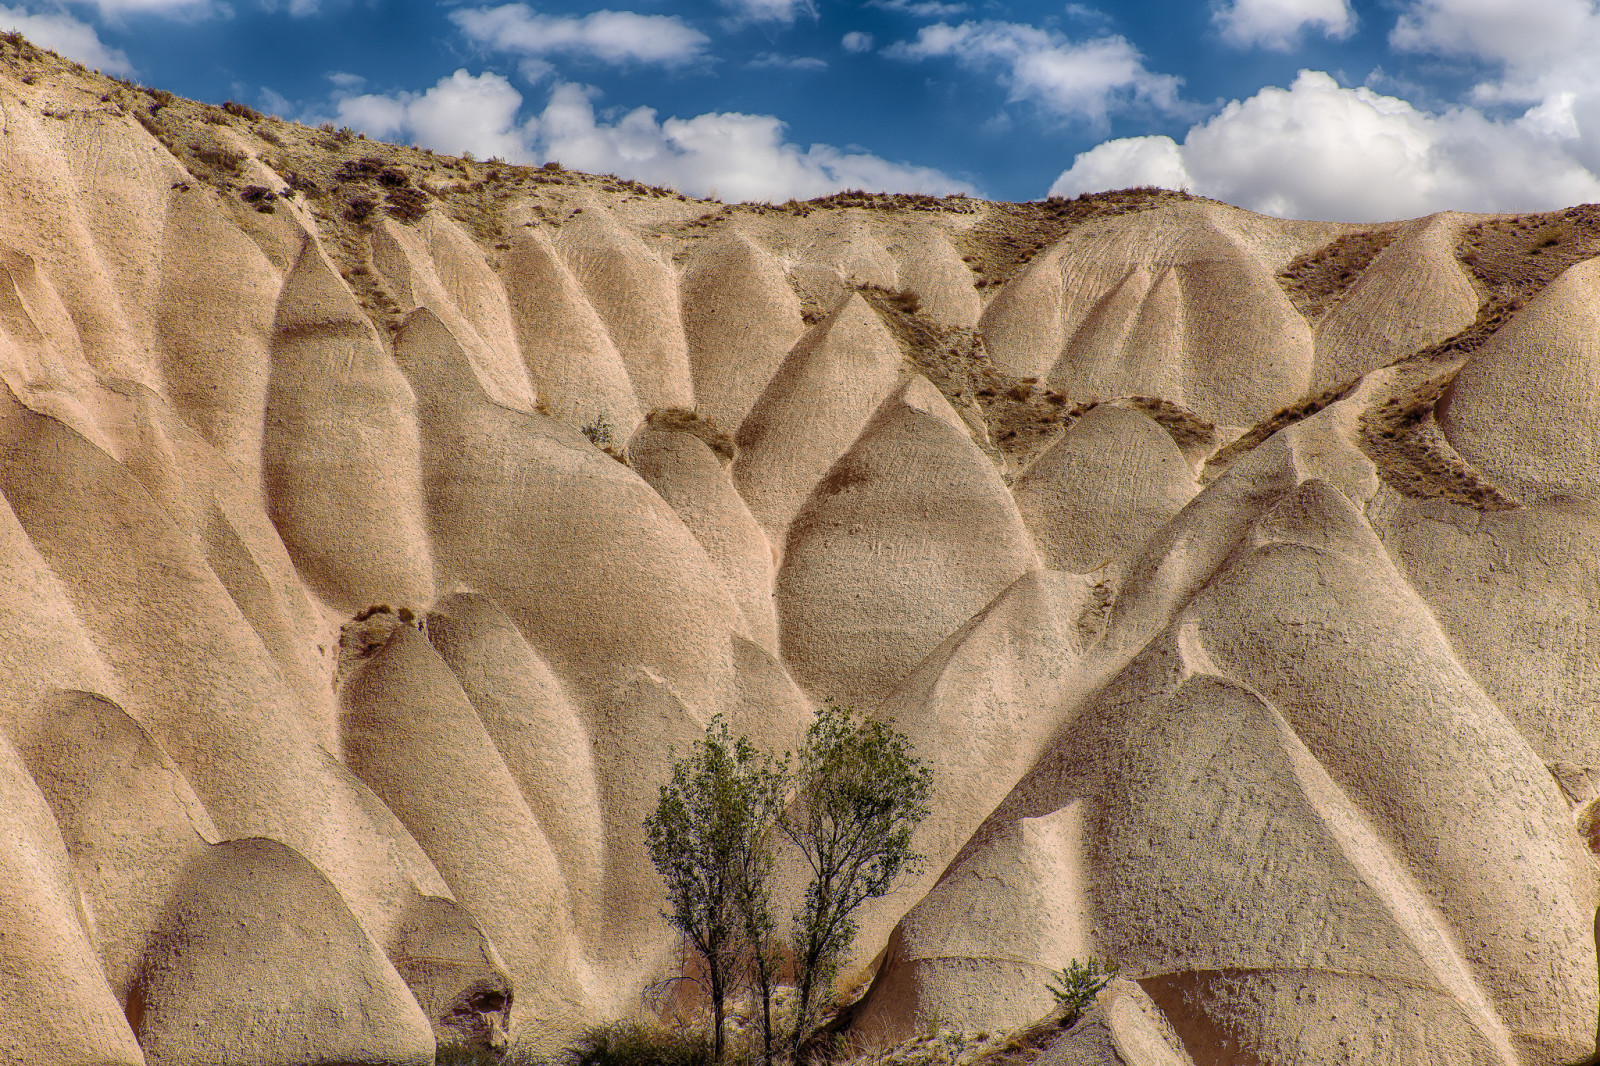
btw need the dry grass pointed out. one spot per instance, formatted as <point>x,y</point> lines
<point>1316,281</point>
<point>1011,234</point>
<point>686,420</point>
<point>1401,434</point>
<point>1513,257</point>
<point>1022,417</point>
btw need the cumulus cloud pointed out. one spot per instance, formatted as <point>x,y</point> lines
<point>729,154</point>
<point>62,33</point>
<point>609,36</point>
<point>856,41</point>
<point>1072,79</point>
<point>1278,24</point>
<point>1318,150</point>
<point>462,113</point>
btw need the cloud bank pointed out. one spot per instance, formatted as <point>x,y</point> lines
<point>1318,150</point>
<point>728,154</point>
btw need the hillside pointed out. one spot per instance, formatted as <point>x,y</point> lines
<point>378,524</point>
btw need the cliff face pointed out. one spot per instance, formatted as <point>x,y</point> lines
<point>1236,577</point>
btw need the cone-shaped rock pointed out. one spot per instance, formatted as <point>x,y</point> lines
<point>59,1008</point>
<point>540,735</point>
<point>574,365</point>
<point>1526,407</point>
<point>217,377</point>
<point>979,710</point>
<point>741,317</point>
<point>636,296</point>
<point>915,521</point>
<point>340,454</point>
<point>1414,294</point>
<point>694,480</point>
<point>433,266</point>
<point>932,268</point>
<point>595,568</point>
<point>1210,329</point>
<point>130,821</point>
<point>812,411</point>
<point>1103,489</point>
<point>412,735</point>
<point>259,962</point>
<point>196,675</point>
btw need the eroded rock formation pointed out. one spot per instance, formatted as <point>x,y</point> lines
<point>371,546</point>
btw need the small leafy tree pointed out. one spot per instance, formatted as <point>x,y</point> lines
<point>1076,987</point>
<point>861,795</point>
<point>711,840</point>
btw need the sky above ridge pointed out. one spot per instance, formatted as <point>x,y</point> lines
<point>1351,110</point>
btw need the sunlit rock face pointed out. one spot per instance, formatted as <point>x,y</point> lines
<point>366,568</point>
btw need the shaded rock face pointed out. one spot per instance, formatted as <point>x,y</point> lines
<point>362,580</point>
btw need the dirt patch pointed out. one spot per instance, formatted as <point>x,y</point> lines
<point>1401,433</point>
<point>1513,257</point>
<point>1317,280</point>
<point>1011,234</point>
<point>1021,418</point>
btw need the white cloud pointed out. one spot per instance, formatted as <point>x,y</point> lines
<point>784,11</point>
<point>740,157</point>
<point>610,36</point>
<point>60,32</point>
<point>462,113</point>
<point>1541,47</point>
<point>856,41</point>
<point>346,81</point>
<point>732,155</point>
<point>1125,163</point>
<point>1278,24</point>
<point>782,62</point>
<point>1072,79</point>
<point>1317,150</point>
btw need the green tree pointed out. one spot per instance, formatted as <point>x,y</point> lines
<point>711,841</point>
<point>861,795</point>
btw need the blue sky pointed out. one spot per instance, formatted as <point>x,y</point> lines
<point>1335,109</point>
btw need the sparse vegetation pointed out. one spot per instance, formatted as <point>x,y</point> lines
<point>686,420</point>
<point>242,111</point>
<point>634,1044</point>
<point>603,435</point>
<point>1076,987</point>
<point>1316,281</point>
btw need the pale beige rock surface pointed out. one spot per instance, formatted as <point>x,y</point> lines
<point>1414,294</point>
<point>812,411</point>
<point>1299,727</point>
<point>1111,482</point>
<point>916,523</point>
<point>740,318</point>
